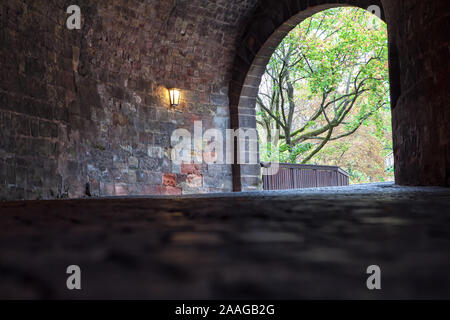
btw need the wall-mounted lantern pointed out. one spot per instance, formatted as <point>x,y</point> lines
<point>174,96</point>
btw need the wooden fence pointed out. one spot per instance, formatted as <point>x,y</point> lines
<point>298,176</point>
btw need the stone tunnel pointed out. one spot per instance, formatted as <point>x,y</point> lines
<point>85,114</point>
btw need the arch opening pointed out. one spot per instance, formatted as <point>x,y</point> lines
<point>252,104</point>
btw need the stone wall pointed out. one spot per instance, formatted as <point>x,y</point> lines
<point>86,113</point>
<point>419,49</point>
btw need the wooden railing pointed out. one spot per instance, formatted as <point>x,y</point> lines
<point>298,176</point>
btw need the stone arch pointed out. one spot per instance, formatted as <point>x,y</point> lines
<point>268,26</point>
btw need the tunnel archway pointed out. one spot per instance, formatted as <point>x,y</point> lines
<point>270,23</point>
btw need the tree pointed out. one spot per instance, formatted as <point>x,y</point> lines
<point>362,154</point>
<point>328,77</point>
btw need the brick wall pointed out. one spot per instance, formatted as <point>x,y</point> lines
<point>419,49</point>
<point>86,112</point>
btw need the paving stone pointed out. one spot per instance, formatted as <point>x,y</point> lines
<point>312,243</point>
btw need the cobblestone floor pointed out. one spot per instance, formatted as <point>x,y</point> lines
<point>295,244</point>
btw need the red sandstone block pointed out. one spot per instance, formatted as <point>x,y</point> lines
<point>150,190</point>
<point>121,189</point>
<point>190,169</point>
<point>170,191</point>
<point>169,179</point>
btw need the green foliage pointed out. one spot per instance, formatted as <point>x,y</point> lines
<point>327,78</point>
<point>290,154</point>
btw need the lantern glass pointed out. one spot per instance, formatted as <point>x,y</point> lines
<point>174,95</point>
